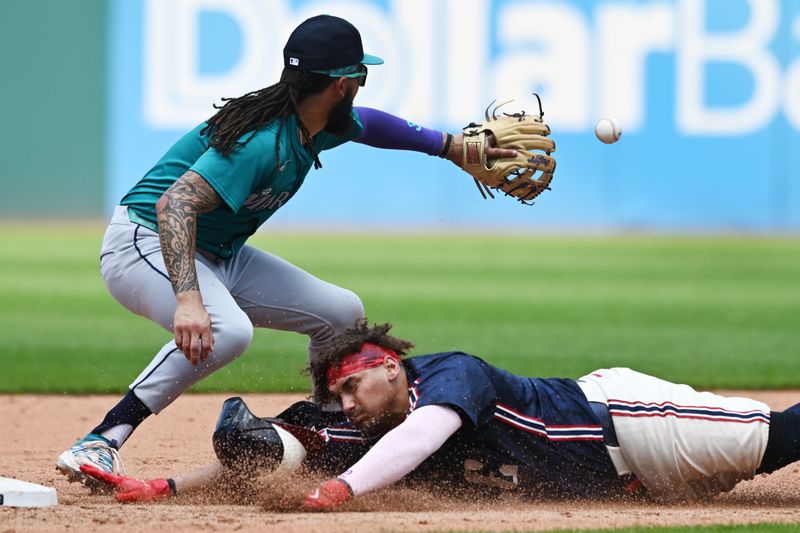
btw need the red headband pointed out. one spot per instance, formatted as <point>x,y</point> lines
<point>370,355</point>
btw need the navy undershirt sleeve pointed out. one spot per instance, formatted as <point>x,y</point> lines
<point>383,130</point>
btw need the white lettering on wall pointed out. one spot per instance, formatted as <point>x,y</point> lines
<point>467,54</point>
<point>791,91</point>
<point>553,60</point>
<point>443,69</point>
<point>748,48</point>
<point>176,94</point>
<point>627,34</point>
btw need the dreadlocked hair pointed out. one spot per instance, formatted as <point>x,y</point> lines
<point>350,342</point>
<point>252,111</point>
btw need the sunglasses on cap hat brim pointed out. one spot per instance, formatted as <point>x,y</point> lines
<point>357,72</point>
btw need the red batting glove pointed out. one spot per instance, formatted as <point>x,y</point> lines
<point>128,489</point>
<point>330,494</point>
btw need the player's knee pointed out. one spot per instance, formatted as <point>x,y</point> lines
<point>340,313</point>
<point>347,311</point>
<point>235,337</point>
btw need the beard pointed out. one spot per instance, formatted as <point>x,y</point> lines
<point>378,425</point>
<point>340,116</point>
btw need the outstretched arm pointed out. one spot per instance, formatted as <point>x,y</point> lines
<point>383,130</point>
<point>394,456</point>
<point>128,489</point>
<point>177,211</point>
<point>199,478</point>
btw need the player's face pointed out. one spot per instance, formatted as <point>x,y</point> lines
<point>367,398</point>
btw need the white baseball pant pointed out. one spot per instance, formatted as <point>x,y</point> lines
<point>682,444</point>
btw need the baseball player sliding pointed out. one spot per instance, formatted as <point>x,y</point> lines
<point>175,250</point>
<point>614,433</point>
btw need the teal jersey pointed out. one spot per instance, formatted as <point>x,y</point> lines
<point>251,185</point>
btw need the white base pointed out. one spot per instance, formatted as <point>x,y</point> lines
<point>16,493</point>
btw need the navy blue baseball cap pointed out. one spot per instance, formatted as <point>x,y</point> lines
<point>325,44</point>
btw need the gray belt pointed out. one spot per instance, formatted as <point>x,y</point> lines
<point>631,484</point>
<point>609,435</point>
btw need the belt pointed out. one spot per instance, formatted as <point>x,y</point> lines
<point>609,435</point>
<point>630,483</point>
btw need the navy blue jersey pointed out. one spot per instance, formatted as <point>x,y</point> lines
<point>536,434</point>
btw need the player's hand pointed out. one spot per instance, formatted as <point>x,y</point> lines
<point>128,489</point>
<point>330,494</point>
<point>192,327</point>
<point>455,154</point>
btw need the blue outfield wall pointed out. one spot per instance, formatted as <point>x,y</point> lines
<point>707,93</point>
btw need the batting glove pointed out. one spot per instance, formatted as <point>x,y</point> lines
<point>128,489</point>
<point>330,494</point>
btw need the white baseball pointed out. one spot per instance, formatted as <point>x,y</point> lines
<point>607,131</point>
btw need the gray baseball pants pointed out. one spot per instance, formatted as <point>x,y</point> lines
<point>252,289</point>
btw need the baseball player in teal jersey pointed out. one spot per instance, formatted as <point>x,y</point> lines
<point>175,250</point>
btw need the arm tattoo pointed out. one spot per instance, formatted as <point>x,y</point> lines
<point>177,227</point>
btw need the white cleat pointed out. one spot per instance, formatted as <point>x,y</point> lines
<point>94,450</point>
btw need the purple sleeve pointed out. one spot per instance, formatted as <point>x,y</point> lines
<point>383,130</point>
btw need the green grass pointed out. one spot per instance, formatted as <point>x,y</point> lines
<point>713,312</point>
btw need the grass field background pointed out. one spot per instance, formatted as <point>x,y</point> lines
<point>716,312</point>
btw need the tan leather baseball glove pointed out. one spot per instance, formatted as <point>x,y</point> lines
<point>525,176</point>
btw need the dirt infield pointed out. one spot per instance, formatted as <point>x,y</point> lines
<point>35,429</point>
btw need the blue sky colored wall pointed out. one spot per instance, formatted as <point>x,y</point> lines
<point>707,92</point>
